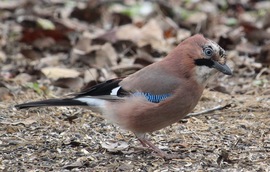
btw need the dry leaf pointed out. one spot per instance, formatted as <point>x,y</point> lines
<point>57,72</point>
<point>106,56</point>
<point>90,75</point>
<point>83,46</point>
<point>43,43</point>
<point>151,33</point>
<point>71,83</point>
<point>248,48</point>
<point>26,122</point>
<point>197,18</point>
<point>113,146</point>
<point>3,57</point>
<point>129,32</point>
<point>264,56</point>
<point>23,78</point>
<point>5,94</point>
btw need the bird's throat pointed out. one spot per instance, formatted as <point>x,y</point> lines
<point>204,74</point>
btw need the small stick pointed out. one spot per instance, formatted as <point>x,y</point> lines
<point>219,107</point>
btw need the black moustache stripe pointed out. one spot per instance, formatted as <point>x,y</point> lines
<point>204,62</point>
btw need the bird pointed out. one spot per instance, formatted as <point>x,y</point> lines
<point>155,96</point>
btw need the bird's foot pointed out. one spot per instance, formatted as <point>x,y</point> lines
<point>160,153</point>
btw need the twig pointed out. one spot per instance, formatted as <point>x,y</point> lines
<point>219,107</point>
<point>261,72</point>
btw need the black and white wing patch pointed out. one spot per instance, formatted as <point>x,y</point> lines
<point>111,90</point>
<point>108,88</point>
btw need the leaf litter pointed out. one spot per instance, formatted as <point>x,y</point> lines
<point>93,41</point>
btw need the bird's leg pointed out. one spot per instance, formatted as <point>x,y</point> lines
<point>145,142</point>
<point>142,142</point>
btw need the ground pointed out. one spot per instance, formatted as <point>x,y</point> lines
<point>52,49</point>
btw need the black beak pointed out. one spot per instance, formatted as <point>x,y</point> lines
<point>222,68</point>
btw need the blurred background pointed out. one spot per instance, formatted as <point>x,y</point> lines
<point>50,48</point>
<point>96,40</point>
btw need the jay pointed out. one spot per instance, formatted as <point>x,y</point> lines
<point>155,96</point>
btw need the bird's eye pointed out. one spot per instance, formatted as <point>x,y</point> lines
<point>208,51</point>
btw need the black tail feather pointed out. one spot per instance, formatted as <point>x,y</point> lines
<point>51,102</point>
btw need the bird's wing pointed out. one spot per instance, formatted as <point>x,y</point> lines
<point>106,90</point>
<point>110,90</point>
<point>113,91</point>
<point>154,79</point>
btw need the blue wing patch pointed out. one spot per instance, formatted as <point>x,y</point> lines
<point>152,97</point>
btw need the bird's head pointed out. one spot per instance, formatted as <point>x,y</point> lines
<point>212,56</point>
<point>203,55</point>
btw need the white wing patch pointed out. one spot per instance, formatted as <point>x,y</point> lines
<point>92,101</point>
<point>115,91</point>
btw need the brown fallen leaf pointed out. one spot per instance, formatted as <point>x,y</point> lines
<point>248,48</point>
<point>197,18</point>
<point>224,157</point>
<point>128,32</point>
<point>5,94</point>
<point>71,83</point>
<point>57,72</point>
<point>124,70</point>
<point>264,56</point>
<point>3,57</point>
<point>90,75</point>
<point>23,78</point>
<point>83,45</point>
<point>152,33</point>
<point>43,43</point>
<point>11,5</point>
<point>26,122</point>
<point>91,13</point>
<point>106,56</point>
<point>113,146</point>
<point>254,33</point>
<point>31,54</point>
<point>77,164</point>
